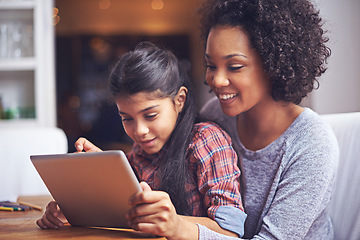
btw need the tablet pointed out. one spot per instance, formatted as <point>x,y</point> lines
<point>91,189</point>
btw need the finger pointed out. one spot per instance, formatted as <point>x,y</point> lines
<point>82,144</point>
<point>147,228</point>
<point>164,208</point>
<point>147,197</point>
<point>51,215</point>
<point>51,220</point>
<point>145,186</point>
<point>79,144</point>
<point>159,228</point>
<point>45,223</point>
<point>52,208</point>
<point>41,224</point>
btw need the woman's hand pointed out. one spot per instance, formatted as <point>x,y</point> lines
<point>153,212</point>
<point>52,218</point>
<point>82,144</point>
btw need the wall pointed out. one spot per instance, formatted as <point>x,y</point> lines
<point>340,85</point>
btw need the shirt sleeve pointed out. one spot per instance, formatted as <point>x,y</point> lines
<point>218,177</point>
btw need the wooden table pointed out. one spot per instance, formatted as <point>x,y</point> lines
<point>22,225</point>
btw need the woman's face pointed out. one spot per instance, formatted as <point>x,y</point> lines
<point>234,70</point>
<point>148,120</point>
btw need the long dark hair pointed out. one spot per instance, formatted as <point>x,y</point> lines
<point>151,69</point>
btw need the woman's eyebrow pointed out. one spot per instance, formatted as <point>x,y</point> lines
<point>228,56</point>
<point>234,55</point>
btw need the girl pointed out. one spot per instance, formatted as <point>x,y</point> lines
<point>192,166</point>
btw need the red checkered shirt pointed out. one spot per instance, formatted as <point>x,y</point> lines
<point>213,165</point>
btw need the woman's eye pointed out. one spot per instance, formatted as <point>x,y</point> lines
<point>235,68</point>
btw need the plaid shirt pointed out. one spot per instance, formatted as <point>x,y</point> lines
<point>213,165</point>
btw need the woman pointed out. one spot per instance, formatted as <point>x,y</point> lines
<point>262,58</point>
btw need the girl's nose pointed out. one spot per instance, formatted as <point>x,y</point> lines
<point>141,129</point>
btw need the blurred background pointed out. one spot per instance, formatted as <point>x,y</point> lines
<point>90,37</point>
<point>79,41</point>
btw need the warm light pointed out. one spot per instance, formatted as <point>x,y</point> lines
<point>56,20</point>
<point>56,17</point>
<point>157,4</point>
<point>104,4</point>
<point>55,12</point>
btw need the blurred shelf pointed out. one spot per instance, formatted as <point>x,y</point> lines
<point>14,5</point>
<point>20,64</point>
<point>28,122</point>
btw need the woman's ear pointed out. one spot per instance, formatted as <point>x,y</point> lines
<point>180,99</point>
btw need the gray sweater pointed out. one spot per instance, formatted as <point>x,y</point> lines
<point>286,186</point>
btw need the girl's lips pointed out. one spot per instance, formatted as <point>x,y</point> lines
<point>147,143</point>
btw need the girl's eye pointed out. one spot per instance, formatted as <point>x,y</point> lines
<point>209,67</point>
<point>126,119</point>
<point>151,116</point>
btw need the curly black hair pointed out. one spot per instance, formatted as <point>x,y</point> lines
<point>288,35</point>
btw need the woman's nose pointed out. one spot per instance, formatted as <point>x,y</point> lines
<point>220,79</point>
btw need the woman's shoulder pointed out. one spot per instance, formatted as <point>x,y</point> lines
<point>312,126</point>
<point>310,136</point>
<point>211,110</point>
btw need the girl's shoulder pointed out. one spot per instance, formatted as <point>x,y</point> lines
<point>209,132</point>
<point>208,127</point>
<point>210,140</point>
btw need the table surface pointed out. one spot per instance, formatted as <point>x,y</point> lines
<point>22,225</point>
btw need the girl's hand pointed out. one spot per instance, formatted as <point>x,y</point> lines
<point>82,144</point>
<point>153,212</point>
<point>52,218</point>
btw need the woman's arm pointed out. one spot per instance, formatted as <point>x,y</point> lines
<point>209,223</point>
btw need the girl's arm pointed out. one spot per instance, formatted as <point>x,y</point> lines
<point>52,218</point>
<point>218,179</point>
<point>153,212</point>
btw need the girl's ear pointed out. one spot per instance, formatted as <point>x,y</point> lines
<point>180,99</point>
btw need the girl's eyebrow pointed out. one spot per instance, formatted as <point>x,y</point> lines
<point>141,111</point>
<point>228,56</point>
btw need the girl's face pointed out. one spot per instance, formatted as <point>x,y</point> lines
<point>234,70</point>
<point>148,120</point>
